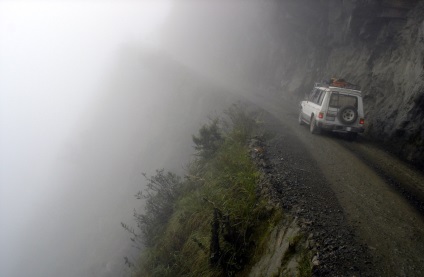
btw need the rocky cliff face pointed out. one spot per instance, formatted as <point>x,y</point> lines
<point>376,44</point>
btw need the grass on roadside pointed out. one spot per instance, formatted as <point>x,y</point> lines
<point>213,223</point>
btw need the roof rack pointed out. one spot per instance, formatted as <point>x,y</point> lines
<point>339,83</point>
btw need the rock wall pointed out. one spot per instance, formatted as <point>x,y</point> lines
<point>287,45</point>
<point>376,44</point>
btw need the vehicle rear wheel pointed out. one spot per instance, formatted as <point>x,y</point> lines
<point>313,128</point>
<point>301,118</point>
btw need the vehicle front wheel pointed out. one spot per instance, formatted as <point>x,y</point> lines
<point>313,128</point>
<point>301,118</point>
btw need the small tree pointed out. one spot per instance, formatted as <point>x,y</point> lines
<point>208,140</point>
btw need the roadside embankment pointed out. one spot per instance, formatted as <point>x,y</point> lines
<point>220,220</point>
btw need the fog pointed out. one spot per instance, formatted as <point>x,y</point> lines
<point>92,94</point>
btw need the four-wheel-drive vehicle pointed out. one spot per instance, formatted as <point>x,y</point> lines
<point>333,108</point>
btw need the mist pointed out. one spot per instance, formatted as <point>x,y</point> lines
<point>93,94</point>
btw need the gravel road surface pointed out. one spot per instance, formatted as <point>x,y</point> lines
<point>363,206</point>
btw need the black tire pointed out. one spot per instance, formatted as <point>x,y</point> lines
<point>313,128</point>
<point>347,115</point>
<point>301,118</point>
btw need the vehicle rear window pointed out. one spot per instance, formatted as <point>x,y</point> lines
<point>340,100</point>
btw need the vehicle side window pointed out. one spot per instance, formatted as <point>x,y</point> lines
<point>321,98</point>
<point>317,96</point>
<point>312,95</point>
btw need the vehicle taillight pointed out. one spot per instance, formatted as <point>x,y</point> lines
<point>321,115</point>
<point>362,121</point>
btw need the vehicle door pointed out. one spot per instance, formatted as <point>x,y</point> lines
<point>338,100</point>
<point>315,101</point>
<point>307,107</point>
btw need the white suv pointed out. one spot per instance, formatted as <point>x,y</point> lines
<point>333,108</point>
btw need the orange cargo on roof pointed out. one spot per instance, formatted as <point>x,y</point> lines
<point>341,83</point>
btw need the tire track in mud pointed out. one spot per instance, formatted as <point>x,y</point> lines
<point>405,180</point>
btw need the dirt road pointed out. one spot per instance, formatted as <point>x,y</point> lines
<point>381,197</point>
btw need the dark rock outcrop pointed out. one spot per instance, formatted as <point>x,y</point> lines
<point>376,44</point>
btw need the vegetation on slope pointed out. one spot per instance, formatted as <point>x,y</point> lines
<point>213,222</point>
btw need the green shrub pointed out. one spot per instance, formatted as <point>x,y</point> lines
<point>210,223</point>
<point>209,139</point>
<point>163,189</point>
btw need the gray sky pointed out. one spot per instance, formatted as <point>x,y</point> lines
<point>56,59</point>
